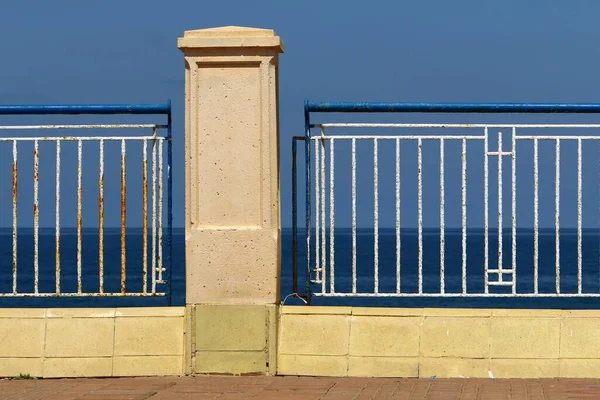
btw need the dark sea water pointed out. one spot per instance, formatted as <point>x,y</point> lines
<point>453,267</point>
<point>343,257</point>
<point>90,267</point>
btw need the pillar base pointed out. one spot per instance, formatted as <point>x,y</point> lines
<point>232,339</point>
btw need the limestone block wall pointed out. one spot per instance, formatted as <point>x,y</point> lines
<point>499,343</point>
<point>100,342</point>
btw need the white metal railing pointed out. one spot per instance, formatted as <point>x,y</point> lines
<point>157,269</point>
<point>325,269</point>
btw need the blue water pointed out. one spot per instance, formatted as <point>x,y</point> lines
<point>343,257</point>
<point>453,267</point>
<point>90,268</point>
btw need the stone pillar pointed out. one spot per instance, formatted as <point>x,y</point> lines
<point>232,226</point>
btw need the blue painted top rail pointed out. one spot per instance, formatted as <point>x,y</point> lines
<point>86,109</point>
<point>372,107</point>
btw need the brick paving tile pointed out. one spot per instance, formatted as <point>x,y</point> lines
<point>419,390</point>
<point>236,396</point>
<point>147,383</point>
<point>519,391</point>
<point>118,395</point>
<point>387,390</point>
<point>402,390</point>
<point>202,388</point>
<point>185,396</point>
<point>494,392</point>
<point>469,391</point>
<point>440,391</point>
<point>295,381</point>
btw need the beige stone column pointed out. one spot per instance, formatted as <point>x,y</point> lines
<point>232,213</point>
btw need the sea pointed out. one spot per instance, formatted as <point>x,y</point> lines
<point>386,261</point>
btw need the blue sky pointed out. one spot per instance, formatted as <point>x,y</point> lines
<point>126,52</point>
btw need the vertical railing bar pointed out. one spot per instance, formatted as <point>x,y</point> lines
<point>153,277</point>
<point>500,267</point>
<point>579,218</point>
<point>57,221</point>
<point>294,216</point>
<point>485,211</point>
<point>101,219</point>
<point>159,261</point>
<point>14,210</point>
<point>535,217</point>
<point>398,243</point>
<point>331,216</point>
<point>123,217</point>
<point>464,214</point>
<point>307,203</point>
<point>79,213</point>
<point>557,214</point>
<point>36,212</point>
<point>170,204</point>
<point>145,217</point>
<point>442,219</point>
<point>420,210</point>
<point>353,215</point>
<point>375,216</point>
<point>514,209</point>
<point>323,214</point>
<point>317,212</point>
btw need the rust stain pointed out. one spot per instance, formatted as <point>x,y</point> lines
<point>14,186</point>
<point>79,222</point>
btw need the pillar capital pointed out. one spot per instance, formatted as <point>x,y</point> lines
<point>230,37</point>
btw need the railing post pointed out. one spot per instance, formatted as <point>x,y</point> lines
<point>233,249</point>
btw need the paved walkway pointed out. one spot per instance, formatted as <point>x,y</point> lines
<point>290,388</point>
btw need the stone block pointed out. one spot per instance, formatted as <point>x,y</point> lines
<point>149,336</point>
<point>579,368</point>
<point>525,338</point>
<point>312,365</point>
<point>453,368</point>
<point>231,327</point>
<point>231,362</point>
<point>77,367</point>
<point>524,368</point>
<point>580,338</point>
<point>22,337</point>
<point>147,365</point>
<point>455,337</point>
<point>384,336</point>
<point>384,367</point>
<point>314,334</point>
<point>79,337</point>
<point>10,367</point>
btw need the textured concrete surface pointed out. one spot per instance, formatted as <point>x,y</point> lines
<point>232,213</point>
